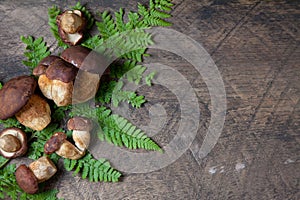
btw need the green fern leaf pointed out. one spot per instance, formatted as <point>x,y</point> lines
<point>36,51</point>
<point>118,130</point>
<point>149,77</point>
<point>94,170</point>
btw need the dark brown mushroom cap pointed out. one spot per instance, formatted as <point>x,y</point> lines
<point>48,60</point>
<point>62,71</point>
<point>85,59</point>
<point>75,55</point>
<point>15,94</point>
<point>26,179</point>
<point>54,142</point>
<point>43,64</point>
<point>80,124</point>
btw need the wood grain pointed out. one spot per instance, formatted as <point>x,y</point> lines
<point>255,45</point>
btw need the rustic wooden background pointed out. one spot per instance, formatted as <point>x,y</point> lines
<point>255,45</point>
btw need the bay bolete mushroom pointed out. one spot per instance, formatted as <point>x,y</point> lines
<point>38,171</point>
<point>56,80</point>
<point>81,128</point>
<point>17,98</point>
<point>13,143</point>
<point>59,144</point>
<point>71,24</point>
<point>92,66</point>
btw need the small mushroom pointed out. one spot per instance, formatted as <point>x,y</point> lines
<point>17,98</point>
<point>38,171</point>
<point>71,24</point>
<point>81,128</point>
<point>56,80</point>
<point>13,143</point>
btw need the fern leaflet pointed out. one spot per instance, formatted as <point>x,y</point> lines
<point>149,77</point>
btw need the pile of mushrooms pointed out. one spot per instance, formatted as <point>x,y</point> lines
<point>43,169</point>
<point>18,99</point>
<point>57,75</point>
<point>56,79</point>
<point>59,144</point>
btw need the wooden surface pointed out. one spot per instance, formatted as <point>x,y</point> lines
<point>255,45</point>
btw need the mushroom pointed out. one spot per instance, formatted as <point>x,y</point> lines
<point>38,171</point>
<point>56,80</point>
<point>17,98</point>
<point>57,75</point>
<point>13,143</point>
<point>81,128</point>
<point>71,24</point>
<point>91,67</point>
<point>59,144</point>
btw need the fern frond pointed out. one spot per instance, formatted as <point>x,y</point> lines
<point>58,113</point>
<point>149,77</point>
<point>118,95</point>
<point>120,132</point>
<point>107,26</point>
<point>3,161</point>
<point>9,187</point>
<point>36,50</point>
<point>119,21</point>
<point>92,42</point>
<point>94,170</point>
<point>53,12</point>
<point>11,122</point>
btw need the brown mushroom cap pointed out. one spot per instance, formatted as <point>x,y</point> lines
<point>48,60</point>
<point>61,70</point>
<point>43,64</point>
<point>75,55</point>
<point>86,59</point>
<point>26,179</point>
<point>55,142</point>
<point>18,134</point>
<point>79,123</point>
<point>15,94</point>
